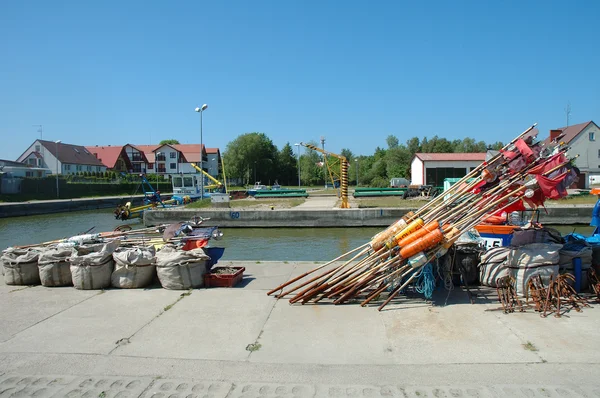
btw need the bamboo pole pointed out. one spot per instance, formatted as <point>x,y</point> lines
<point>280,287</point>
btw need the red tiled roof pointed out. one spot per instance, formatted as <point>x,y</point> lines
<point>191,152</point>
<point>108,155</point>
<point>571,132</point>
<point>451,156</point>
<point>212,150</point>
<point>148,151</point>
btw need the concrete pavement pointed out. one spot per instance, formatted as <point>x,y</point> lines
<point>241,343</point>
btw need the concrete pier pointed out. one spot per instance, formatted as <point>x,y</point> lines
<point>307,217</point>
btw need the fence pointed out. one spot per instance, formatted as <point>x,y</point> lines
<point>10,185</point>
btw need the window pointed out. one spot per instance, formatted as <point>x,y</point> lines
<point>32,162</point>
<point>177,182</point>
<point>76,150</point>
<point>89,168</point>
<point>67,167</point>
<point>160,157</point>
<point>78,168</point>
<point>173,155</point>
<point>592,136</point>
<point>29,174</point>
<point>136,157</point>
<point>150,166</point>
<point>37,148</point>
<point>86,151</point>
<point>188,181</point>
<point>161,168</point>
<point>599,153</point>
<point>173,166</point>
<point>137,167</point>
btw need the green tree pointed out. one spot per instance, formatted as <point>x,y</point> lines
<point>288,169</point>
<point>250,155</point>
<point>312,169</point>
<point>347,153</point>
<point>169,142</point>
<point>392,141</point>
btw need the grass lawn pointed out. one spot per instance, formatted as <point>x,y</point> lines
<point>575,200</point>
<point>250,203</point>
<point>390,201</point>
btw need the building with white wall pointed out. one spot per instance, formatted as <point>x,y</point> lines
<point>583,139</point>
<point>61,158</point>
<point>433,168</point>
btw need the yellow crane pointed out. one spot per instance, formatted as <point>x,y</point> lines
<point>341,177</point>
<point>217,183</point>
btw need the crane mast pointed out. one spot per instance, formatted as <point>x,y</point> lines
<point>334,175</point>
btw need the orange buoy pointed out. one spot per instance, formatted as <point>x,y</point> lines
<point>424,243</point>
<point>430,226</point>
<point>378,241</point>
<point>410,228</point>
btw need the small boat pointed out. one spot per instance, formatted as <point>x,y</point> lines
<point>257,187</point>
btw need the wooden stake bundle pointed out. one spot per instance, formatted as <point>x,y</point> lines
<point>399,252</point>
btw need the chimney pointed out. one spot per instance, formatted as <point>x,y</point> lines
<point>554,134</point>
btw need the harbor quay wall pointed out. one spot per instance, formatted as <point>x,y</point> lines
<point>15,209</point>
<point>376,217</point>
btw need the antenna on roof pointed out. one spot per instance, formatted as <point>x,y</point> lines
<point>568,112</point>
<point>40,130</point>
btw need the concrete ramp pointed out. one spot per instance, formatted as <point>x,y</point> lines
<point>319,202</point>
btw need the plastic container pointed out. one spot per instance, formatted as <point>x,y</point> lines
<point>224,280</point>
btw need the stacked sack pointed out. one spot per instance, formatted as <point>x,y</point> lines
<point>531,260</point>
<point>180,270</point>
<point>20,266</point>
<point>92,265</point>
<point>54,267</point>
<point>134,267</point>
<point>493,266</point>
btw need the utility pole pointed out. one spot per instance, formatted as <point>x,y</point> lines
<point>568,112</point>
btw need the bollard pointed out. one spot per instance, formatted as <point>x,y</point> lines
<point>577,272</point>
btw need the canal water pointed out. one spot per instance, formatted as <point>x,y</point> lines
<point>255,244</point>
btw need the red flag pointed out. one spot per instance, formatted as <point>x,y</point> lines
<point>477,187</point>
<point>549,164</point>
<point>517,206</point>
<point>549,186</point>
<point>536,200</point>
<point>525,150</point>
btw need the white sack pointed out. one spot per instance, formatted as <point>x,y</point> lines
<point>134,268</point>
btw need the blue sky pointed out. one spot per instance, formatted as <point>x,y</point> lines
<point>117,72</point>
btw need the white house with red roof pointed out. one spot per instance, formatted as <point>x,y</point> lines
<point>433,168</point>
<point>158,159</point>
<point>583,139</point>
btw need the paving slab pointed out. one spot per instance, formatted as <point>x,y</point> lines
<point>574,332</point>
<point>164,388</point>
<point>144,387</point>
<point>460,333</point>
<point>22,307</point>
<point>91,326</point>
<point>324,334</point>
<point>214,323</point>
<point>263,275</point>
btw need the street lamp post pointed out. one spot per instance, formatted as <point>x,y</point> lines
<point>298,150</point>
<point>156,168</point>
<point>356,160</point>
<point>201,109</point>
<point>56,143</point>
